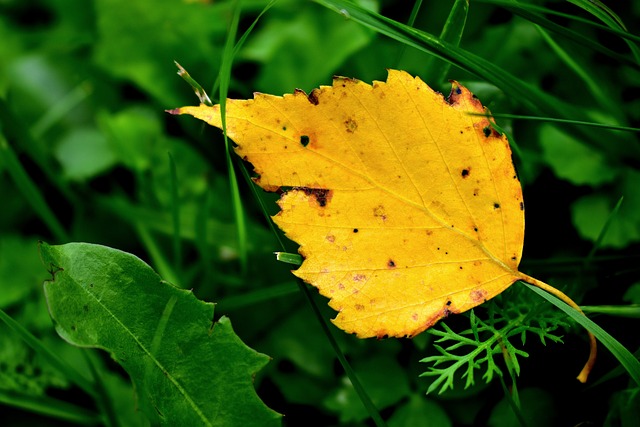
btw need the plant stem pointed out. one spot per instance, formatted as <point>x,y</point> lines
<point>593,346</point>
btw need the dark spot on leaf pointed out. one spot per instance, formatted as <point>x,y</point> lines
<point>487,131</point>
<point>521,206</point>
<point>85,308</point>
<point>355,230</point>
<point>313,97</point>
<point>448,303</point>
<point>284,128</point>
<point>331,238</point>
<point>475,229</point>
<point>446,312</point>
<point>458,90</point>
<point>391,264</point>
<point>496,206</point>
<point>359,307</point>
<point>460,267</point>
<point>476,191</point>
<point>465,173</point>
<point>513,258</point>
<point>322,196</point>
<point>304,140</point>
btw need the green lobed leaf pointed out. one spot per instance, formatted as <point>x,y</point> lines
<point>185,370</point>
<point>572,160</point>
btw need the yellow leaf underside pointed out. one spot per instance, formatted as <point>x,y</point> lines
<point>406,208</point>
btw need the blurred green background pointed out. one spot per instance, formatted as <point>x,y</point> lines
<point>83,89</point>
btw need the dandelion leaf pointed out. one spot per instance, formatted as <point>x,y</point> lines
<point>406,207</point>
<point>186,370</point>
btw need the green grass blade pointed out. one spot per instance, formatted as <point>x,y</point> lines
<point>534,17</point>
<point>234,302</point>
<point>608,16</point>
<point>236,201</point>
<point>73,375</point>
<point>175,215</point>
<point>30,191</point>
<point>568,121</point>
<point>624,356</point>
<point>541,9</point>
<point>437,71</point>
<point>604,230</point>
<point>160,262</point>
<point>50,407</point>
<point>412,19</point>
<point>631,311</point>
<point>595,89</point>
<point>531,96</point>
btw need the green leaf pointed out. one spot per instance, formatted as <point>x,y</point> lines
<point>84,153</point>
<point>420,411</point>
<point>590,213</point>
<point>385,386</point>
<point>185,371</point>
<point>572,160</point>
<point>537,408</point>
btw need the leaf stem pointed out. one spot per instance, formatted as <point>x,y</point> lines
<point>593,346</point>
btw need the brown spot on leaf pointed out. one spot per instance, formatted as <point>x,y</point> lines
<point>359,307</point>
<point>340,286</point>
<point>391,264</point>
<point>350,125</point>
<point>322,196</point>
<point>521,206</point>
<point>414,316</point>
<point>478,295</point>
<point>496,206</point>
<point>379,212</point>
<point>465,172</point>
<point>304,140</point>
<point>359,278</point>
<point>355,230</point>
<point>330,238</point>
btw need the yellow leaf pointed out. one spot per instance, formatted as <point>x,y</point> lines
<point>406,207</point>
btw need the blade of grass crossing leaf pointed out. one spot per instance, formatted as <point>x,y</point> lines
<point>624,356</point>
<point>225,77</point>
<point>160,263</point>
<point>603,231</point>
<point>437,71</point>
<point>359,389</point>
<point>72,374</point>
<point>175,216</point>
<point>30,191</point>
<point>556,120</point>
